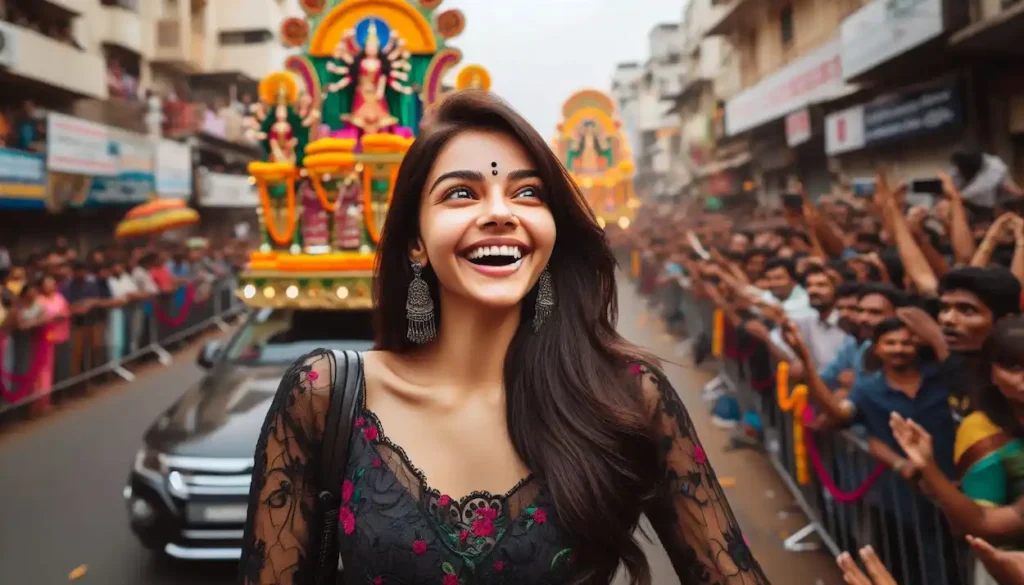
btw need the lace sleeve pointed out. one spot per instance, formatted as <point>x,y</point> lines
<point>278,547</point>
<point>690,512</point>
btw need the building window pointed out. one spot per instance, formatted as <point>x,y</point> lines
<point>245,37</point>
<point>786,20</point>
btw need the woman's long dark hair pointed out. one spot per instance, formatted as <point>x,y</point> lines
<point>1004,347</point>
<point>572,411</point>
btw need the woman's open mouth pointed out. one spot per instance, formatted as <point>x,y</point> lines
<point>496,260</point>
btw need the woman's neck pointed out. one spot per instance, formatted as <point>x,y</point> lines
<point>472,343</point>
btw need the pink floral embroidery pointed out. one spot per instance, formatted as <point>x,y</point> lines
<point>635,369</point>
<point>699,455</point>
<point>444,501</point>
<point>419,547</point>
<point>378,581</point>
<point>540,516</point>
<point>483,527</point>
<point>312,376</point>
<point>463,536</point>
<point>745,541</point>
<point>360,422</point>
<point>370,433</point>
<point>346,491</point>
<point>347,520</point>
<point>498,566</point>
<point>451,580</point>
<point>488,513</point>
<point>377,462</point>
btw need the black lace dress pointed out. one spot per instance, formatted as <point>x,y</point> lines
<point>396,530</point>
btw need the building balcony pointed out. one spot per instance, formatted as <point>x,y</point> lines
<point>180,45</point>
<point>252,60</point>
<point>122,27</point>
<point>729,13</point>
<point>55,63</point>
<point>996,28</point>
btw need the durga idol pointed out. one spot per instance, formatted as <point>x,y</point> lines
<point>373,69</point>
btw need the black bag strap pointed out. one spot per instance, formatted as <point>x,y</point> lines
<point>345,397</point>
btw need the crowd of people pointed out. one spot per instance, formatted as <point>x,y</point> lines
<point>62,314</point>
<point>903,321</point>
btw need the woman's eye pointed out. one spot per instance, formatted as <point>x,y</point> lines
<point>458,193</point>
<point>527,192</point>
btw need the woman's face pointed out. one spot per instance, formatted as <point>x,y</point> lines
<point>484,226</point>
<point>1010,381</point>
<point>49,286</point>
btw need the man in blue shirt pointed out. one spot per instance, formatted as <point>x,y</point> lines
<point>876,303</point>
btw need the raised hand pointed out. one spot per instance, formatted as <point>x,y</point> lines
<point>1006,567</point>
<point>854,576</point>
<point>914,440</point>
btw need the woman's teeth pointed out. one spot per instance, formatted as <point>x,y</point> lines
<point>512,251</point>
<point>496,256</point>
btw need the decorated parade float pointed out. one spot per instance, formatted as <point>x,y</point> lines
<point>334,125</point>
<point>593,146</point>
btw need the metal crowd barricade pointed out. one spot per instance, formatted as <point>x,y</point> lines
<point>850,502</point>
<point>37,366</point>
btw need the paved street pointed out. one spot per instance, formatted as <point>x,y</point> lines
<point>62,480</point>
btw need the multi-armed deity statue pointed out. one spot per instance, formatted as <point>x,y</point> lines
<point>596,151</point>
<point>335,125</point>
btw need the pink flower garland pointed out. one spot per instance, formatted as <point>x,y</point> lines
<point>826,480</point>
<point>183,312</point>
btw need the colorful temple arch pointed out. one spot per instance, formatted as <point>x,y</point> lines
<point>592,145</point>
<point>335,124</point>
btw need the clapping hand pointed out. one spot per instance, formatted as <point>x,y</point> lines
<point>852,574</point>
<point>1006,567</point>
<point>914,440</point>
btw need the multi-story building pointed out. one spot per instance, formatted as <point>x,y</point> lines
<point>626,83</point>
<point>657,125</point>
<point>710,76</point>
<point>990,39</point>
<point>158,82</point>
<point>788,55</point>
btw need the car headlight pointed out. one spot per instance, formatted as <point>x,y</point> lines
<point>149,461</point>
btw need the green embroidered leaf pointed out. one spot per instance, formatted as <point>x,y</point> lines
<point>359,474</point>
<point>469,565</point>
<point>448,568</point>
<point>560,555</point>
<point>355,496</point>
<point>529,511</point>
<point>529,524</point>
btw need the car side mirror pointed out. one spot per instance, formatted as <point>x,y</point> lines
<point>208,355</point>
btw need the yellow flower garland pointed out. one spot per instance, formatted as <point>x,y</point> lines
<point>794,403</point>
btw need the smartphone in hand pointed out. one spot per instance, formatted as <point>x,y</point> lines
<point>927,186</point>
<point>864,188</point>
<point>793,201</point>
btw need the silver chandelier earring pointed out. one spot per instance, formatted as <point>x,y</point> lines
<point>545,300</point>
<point>419,308</point>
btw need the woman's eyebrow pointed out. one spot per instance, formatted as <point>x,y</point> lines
<point>523,174</point>
<point>463,175</point>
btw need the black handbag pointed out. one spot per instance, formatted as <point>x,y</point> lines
<point>345,398</point>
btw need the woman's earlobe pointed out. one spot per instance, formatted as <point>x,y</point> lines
<point>418,253</point>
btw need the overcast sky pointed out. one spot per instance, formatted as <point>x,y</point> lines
<point>540,51</point>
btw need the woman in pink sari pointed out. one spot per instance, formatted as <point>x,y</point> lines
<point>54,329</point>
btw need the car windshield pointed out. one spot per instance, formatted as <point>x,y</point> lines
<point>281,336</point>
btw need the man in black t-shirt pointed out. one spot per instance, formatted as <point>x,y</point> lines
<point>88,317</point>
<point>971,300</point>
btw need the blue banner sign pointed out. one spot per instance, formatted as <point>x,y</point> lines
<point>22,179</point>
<point>913,115</point>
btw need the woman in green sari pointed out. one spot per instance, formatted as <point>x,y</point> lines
<point>989,450</point>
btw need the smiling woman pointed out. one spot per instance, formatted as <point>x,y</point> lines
<point>499,372</point>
